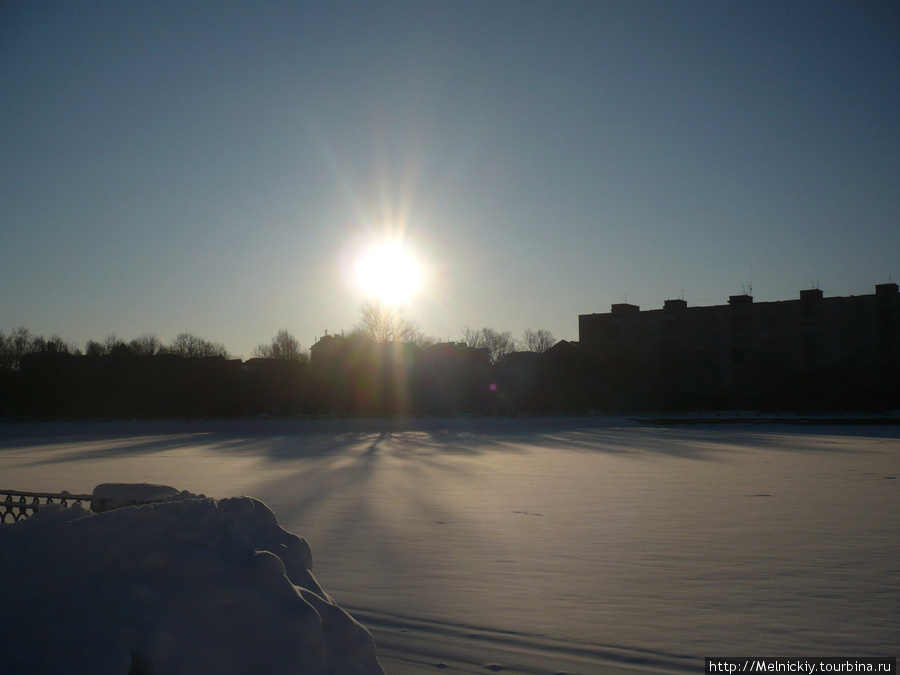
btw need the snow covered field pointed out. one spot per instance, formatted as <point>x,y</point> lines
<point>546,546</point>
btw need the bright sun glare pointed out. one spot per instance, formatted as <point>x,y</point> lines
<point>389,273</point>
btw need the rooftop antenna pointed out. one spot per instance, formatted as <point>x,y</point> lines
<point>750,285</point>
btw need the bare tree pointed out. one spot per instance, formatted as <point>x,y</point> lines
<point>14,346</point>
<point>38,344</point>
<point>20,342</point>
<point>59,345</point>
<point>52,345</point>
<point>382,323</point>
<point>109,345</point>
<point>538,341</point>
<point>191,346</point>
<point>113,343</point>
<point>94,348</point>
<point>209,348</point>
<point>185,344</point>
<point>498,344</point>
<point>283,346</point>
<point>147,344</point>
<point>421,340</point>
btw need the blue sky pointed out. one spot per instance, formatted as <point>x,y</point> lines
<point>214,167</point>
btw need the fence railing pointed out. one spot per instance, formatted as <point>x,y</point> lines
<point>16,505</point>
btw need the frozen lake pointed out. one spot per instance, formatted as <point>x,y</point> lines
<point>546,546</point>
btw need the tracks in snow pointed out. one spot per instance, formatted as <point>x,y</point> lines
<point>424,645</point>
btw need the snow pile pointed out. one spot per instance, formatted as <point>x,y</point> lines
<point>186,585</point>
<point>109,496</point>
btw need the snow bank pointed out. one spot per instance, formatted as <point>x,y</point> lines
<point>109,496</point>
<point>187,585</point>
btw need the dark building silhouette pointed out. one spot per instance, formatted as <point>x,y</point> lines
<point>809,353</point>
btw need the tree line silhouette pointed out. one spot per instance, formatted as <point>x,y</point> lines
<point>383,366</point>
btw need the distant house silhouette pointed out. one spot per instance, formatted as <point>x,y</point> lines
<point>809,353</point>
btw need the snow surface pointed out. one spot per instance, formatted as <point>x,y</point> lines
<point>546,546</point>
<point>116,495</point>
<point>190,585</point>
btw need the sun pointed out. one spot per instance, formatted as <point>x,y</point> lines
<point>389,273</point>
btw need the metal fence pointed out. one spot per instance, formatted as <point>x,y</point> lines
<point>16,505</point>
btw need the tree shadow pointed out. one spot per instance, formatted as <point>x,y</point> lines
<point>287,440</point>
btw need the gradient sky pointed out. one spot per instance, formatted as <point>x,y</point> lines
<point>214,167</point>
